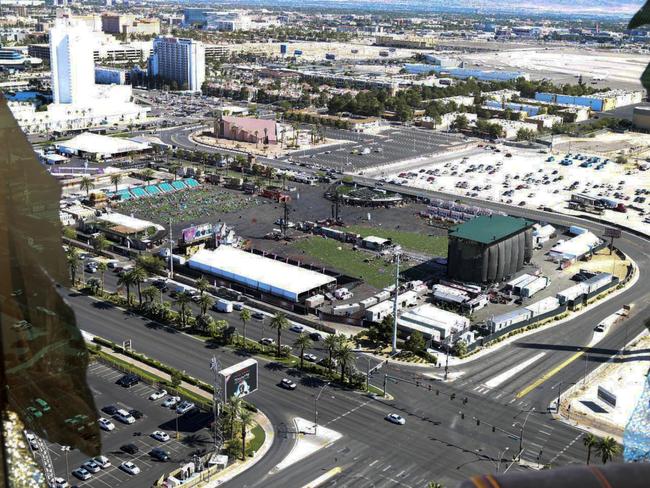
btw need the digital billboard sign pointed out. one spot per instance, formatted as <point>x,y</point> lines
<point>238,380</point>
<point>196,233</point>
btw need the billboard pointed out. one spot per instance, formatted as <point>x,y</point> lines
<point>196,233</point>
<point>238,380</point>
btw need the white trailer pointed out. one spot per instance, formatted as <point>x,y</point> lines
<point>223,305</point>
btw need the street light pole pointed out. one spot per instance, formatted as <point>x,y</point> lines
<point>316,409</point>
<point>521,431</point>
<point>394,348</point>
<point>66,449</point>
<point>500,458</point>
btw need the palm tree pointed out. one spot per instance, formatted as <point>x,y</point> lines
<point>244,316</point>
<point>332,343</point>
<point>607,448</point>
<point>235,407</point>
<point>302,342</point>
<point>182,300</point>
<point>147,173</point>
<point>205,302</point>
<point>245,421</point>
<point>86,184</point>
<point>435,484</point>
<point>174,167</point>
<point>72,257</point>
<point>589,441</point>
<point>115,180</point>
<point>202,285</point>
<point>279,322</point>
<point>127,280</point>
<point>345,355</point>
<point>149,294</point>
<point>100,243</point>
<point>102,267</point>
<point>139,276</point>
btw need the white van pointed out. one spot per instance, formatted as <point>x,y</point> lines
<point>124,416</point>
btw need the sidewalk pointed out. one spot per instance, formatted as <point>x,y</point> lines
<point>237,467</point>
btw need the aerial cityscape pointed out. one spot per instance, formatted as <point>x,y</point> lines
<point>324,244</point>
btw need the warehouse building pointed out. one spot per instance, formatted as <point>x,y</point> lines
<point>488,249</point>
<point>261,273</point>
<point>433,323</point>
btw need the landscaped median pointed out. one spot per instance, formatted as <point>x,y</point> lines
<point>259,432</point>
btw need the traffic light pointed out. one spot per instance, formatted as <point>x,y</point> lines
<point>417,383</point>
<point>494,429</point>
<point>429,387</point>
<point>478,422</point>
<point>465,401</point>
<point>452,396</point>
<point>462,415</point>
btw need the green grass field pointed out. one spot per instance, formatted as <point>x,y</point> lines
<point>412,241</point>
<point>375,272</point>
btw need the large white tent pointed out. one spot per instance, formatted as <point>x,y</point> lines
<point>100,146</point>
<point>259,272</point>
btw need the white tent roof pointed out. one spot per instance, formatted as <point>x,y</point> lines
<point>258,271</point>
<point>578,246</point>
<point>427,319</point>
<point>98,144</point>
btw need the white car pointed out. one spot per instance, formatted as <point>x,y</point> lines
<point>31,438</point>
<point>184,408</point>
<point>60,483</point>
<point>157,395</point>
<point>171,401</point>
<point>82,474</point>
<point>102,461</point>
<point>124,416</point>
<point>161,436</point>
<point>267,341</point>
<point>297,328</point>
<point>129,467</point>
<point>106,424</point>
<point>287,384</point>
<point>395,419</point>
<point>312,358</point>
<point>91,466</point>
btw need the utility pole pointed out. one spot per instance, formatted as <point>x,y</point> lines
<point>215,366</point>
<point>171,251</point>
<point>316,409</point>
<point>394,348</point>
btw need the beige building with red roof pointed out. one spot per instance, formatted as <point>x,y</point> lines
<point>247,129</point>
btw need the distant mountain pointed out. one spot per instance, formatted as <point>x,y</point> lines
<point>612,8</point>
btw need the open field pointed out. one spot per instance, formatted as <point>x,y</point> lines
<point>411,241</point>
<point>194,205</point>
<point>374,270</point>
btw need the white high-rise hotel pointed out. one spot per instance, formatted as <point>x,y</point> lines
<point>180,60</point>
<point>78,102</point>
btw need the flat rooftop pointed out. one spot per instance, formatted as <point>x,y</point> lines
<point>489,229</point>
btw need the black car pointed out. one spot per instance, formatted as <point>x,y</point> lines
<point>258,315</point>
<point>109,409</point>
<point>128,380</point>
<point>315,336</point>
<point>130,448</point>
<point>136,414</point>
<point>159,454</point>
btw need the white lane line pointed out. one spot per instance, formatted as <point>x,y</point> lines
<point>506,375</point>
<point>386,468</point>
<point>373,463</point>
<point>544,432</point>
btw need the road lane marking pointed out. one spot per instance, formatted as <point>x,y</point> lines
<point>506,375</point>
<point>373,463</point>
<point>324,477</point>
<point>549,374</point>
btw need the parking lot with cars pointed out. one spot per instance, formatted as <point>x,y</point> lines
<point>365,150</point>
<point>141,438</point>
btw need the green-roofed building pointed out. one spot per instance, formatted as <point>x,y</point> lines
<point>489,249</point>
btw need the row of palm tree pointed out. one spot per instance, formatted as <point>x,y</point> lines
<point>606,447</point>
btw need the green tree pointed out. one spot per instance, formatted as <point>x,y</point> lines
<point>607,448</point>
<point>86,184</point>
<point>69,233</point>
<point>102,267</point>
<point>332,343</point>
<point>94,285</point>
<point>205,302</point>
<point>235,406</point>
<point>72,258</point>
<point>202,285</point>
<point>279,323</point>
<point>245,422</point>
<point>175,378</point>
<point>139,276</point>
<point>216,328</point>
<point>302,342</point>
<point>153,265</point>
<point>415,343</point>
<point>182,300</point>
<point>115,179</point>
<point>100,243</point>
<point>589,441</point>
<point>460,348</point>
<point>149,294</point>
<point>204,323</point>
<point>460,123</point>
<point>346,358</point>
<point>127,280</point>
<point>244,316</point>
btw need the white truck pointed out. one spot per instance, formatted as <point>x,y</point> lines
<point>222,305</point>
